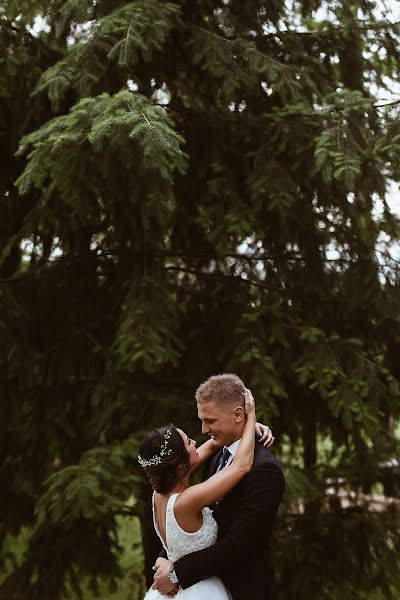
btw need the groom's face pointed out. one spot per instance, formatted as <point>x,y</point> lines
<point>221,425</point>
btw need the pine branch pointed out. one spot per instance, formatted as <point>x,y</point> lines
<point>273,61</point>
<point>384,105</point>
<point>218,275</point>
<point>334,27</point>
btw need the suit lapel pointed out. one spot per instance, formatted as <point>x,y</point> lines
<point>212,465</point>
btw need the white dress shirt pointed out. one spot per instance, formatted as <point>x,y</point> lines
<point>232,449</point>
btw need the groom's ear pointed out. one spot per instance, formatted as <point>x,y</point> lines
<point>238,414</point>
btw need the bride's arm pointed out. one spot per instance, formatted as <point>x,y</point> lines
<point>205,451</point>
<point>203,494</point>
<point>209,448</point>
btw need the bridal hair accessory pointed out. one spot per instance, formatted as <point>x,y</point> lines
<point>157,459</point>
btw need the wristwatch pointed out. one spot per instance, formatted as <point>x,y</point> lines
<point>172,577</point>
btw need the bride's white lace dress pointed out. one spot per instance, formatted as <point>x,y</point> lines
<point>179,543</point>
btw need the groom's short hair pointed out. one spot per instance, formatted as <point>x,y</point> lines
<point>225,390</point>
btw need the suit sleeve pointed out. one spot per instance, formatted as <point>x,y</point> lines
<point>163,554</point>
<point>261,495</point>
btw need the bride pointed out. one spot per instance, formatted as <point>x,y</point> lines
<point>182,519</point>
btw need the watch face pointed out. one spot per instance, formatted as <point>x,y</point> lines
<point>172,577</point>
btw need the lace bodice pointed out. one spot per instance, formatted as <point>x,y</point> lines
<point>179,542</point>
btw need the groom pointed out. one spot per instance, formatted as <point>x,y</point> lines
<point>245,516</point>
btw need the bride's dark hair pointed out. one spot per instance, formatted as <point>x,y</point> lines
<point>173,466</point>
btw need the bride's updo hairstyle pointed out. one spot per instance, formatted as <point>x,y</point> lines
<point>164,457</point>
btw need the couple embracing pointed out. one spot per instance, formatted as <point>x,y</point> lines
<point>215,534</point>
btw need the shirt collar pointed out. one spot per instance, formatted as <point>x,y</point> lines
<point>233,447</point>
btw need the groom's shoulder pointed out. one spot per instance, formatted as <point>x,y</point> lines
<point>264,457</point>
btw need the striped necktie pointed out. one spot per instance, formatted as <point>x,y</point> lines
<point>224,459</point>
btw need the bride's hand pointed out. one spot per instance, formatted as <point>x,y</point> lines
<point>265,435</point>
<point>249,404</point>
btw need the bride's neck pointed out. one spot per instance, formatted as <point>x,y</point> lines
<point>179,487</point>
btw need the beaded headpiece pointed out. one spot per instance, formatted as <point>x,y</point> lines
<point>157,459</point>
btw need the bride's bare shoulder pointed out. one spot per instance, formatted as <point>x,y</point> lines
<point>188,516</point>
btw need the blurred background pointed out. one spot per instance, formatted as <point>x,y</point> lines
<point>192,187</point>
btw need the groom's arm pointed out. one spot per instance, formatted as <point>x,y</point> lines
<point>262,494</point>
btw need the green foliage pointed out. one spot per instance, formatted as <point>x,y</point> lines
<point>147,335</point>
<point>98,485</point>
<point>190,188</point>
<point>238,63</point>
<point>130,583</point>
<point>61,145</point>
<point>352,545</point>
<point>129,33</point>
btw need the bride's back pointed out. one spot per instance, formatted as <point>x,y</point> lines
<point>178,542</point>
<point>188,520</point>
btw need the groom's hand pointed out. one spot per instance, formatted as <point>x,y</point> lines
<point>162,583</point>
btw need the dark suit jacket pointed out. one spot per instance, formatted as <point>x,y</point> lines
<point>245,518</point>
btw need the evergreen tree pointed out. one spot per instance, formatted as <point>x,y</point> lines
<point>189,188</point>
